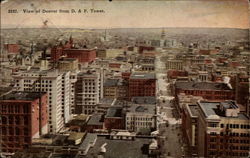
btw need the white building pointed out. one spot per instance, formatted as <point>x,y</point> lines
<point>87,92</point>
<point>57,86</point>
<point>141,117</point>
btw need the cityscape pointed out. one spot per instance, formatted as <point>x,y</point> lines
<point>160,92</point>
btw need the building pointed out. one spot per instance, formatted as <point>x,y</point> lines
<point>174,64</point>
<point>83,55</point>
<point>207,90</point>
<point>56,53</point>
<point>141,117</point>
<point>141,49</point>
<point>12,48</point>
<point>101,53</point>
<point>142,84</point>
<point>104,105</point>
<point>115,88</point>
<point>190,127</point>
<point>56,84</point>
<point>96,121</point>
<point>114,119</point>
<point>68,64</point>
<point>182,100</point>
<point>21,120</point>
<point>87,92</point>
<point>217,129</point>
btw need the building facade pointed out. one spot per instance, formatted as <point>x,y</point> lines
<point>54,83</point>
<point>207,90</point>
<point>83,55</point>
<point>21,119</point>
<point>140,117</point>
<point>141,84</point>
<point>219,129</point>
<point>87,92</point>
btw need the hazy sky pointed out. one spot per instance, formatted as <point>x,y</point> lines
<point>129,14</point>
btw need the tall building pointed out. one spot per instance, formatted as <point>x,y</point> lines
<point>21,119</point>
<point>87,92</point>
<point>56,84</point>
<point>142,84</point>
<point>217,129</point>
<point>65,65</point>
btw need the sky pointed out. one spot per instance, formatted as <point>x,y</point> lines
<point>128,14</point>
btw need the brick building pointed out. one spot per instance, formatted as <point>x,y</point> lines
<point>12,48</point>
<point>141,49</point>
<point>114,119</point>
<point>216,129</point>
<point>207,90</point>
<point>20,119</point>
<point>142,84</point>
<point>83,55</point>
<point>56,53</point>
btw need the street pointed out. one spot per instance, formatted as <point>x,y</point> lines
<point>169,124</point>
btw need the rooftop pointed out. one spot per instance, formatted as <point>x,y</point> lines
<point>210,109</point>
<point>25,96</point>
<point>143,76</point>
<point>202,85</point>
<point>106,101</point>
<point>147,109</point>
<point>76,135</point>
<point>67,59</point>
<point>114,112</point>
<point>111,82</point>
<point>95,119</point>
<point>121,148</point>
<point>193,110</point>
<point>144,100</point>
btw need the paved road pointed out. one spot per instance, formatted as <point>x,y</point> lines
<point>170,139</point>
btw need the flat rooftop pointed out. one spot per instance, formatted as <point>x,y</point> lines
<point>193,110</point>
<point>111,82</point>
<point>114,112</point>
<point>146,109</point>
<point>106,101</point>
<point>144,100</point>
<point>202,86</point>
<point>121,148</point>
<point>25,96</point>
<point>211,109</point>
<point>143,76</point>
<point>95,119</point>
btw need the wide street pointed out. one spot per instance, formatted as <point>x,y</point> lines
<point>168,123</point>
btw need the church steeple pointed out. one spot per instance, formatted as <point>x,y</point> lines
<point>70,39</point>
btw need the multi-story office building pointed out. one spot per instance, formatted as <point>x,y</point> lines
<point>21,119</point>
<point>87,92</point>
<point>142,84</point>
<point>66,65</point>
<point>56,84</point>
<point>217,129</point>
